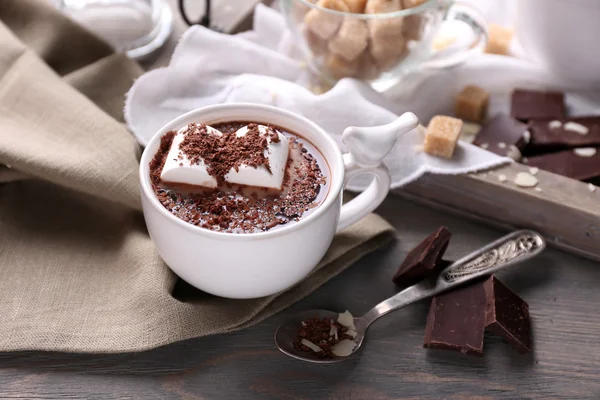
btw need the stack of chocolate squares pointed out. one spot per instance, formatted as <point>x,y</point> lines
<point>458,319</point>
<point>538,132</point>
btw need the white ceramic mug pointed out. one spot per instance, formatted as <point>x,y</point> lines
<point>562,35</point>
<point>260,264</point>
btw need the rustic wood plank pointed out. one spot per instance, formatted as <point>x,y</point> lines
<point>566,212</point>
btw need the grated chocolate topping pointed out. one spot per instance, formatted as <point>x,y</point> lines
<point>222,153</point>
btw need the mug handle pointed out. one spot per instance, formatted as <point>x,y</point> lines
<point>367,148</point>
<point>458,53</point>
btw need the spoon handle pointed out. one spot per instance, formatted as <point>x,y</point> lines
<point>502,253</point>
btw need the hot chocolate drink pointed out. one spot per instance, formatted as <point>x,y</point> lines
<point>238,177</point>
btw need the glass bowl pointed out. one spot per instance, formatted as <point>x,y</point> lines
<point>382,39</point>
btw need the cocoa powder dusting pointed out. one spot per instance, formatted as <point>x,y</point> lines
<point>234,208</point>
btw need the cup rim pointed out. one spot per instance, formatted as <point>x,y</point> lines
<point>396,14</point>
<point>335,185</point>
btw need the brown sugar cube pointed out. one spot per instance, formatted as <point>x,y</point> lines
<point>387,53</point>
<point>356,6</point>
<point>471,103</point>
<point>339,67</point>
<point>324,24</point>
<point>412,27</point>
<point>368,69</point>
<point>384,28</point>
<point>442,136</point>
<point>351,39</point>
<point>314,42</point>
<point>499,39</point>
<point>412,3</point>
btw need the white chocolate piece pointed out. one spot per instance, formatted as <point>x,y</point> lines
<point>585,151</point>
<point>276,154</point>
<point>346,319</point>
<point>501,145</point>
<point>534,170</point>
<point>514,153</point>
<point>351,40</point>
<point>311,345</point>
<point>502,178</point>
<point>554,124</point>
<point>469,131</point>
<point>181,170</point>
<point>343,348</point>
<point>575,127</point>
<point>525,180</point>
<point>591,187</point>
<point>322,23</point>
<point>538,189</point>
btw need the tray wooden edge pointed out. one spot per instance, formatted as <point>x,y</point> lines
<point>566,212</point>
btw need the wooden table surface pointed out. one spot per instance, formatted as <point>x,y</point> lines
<point>563,293</point>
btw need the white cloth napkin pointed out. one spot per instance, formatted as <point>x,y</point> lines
<point>263,66</point>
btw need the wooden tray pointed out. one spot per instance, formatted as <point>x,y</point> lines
<point>565,211</point>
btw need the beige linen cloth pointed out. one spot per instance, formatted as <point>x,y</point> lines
<point>78,271</point>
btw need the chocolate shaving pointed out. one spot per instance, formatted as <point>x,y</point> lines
<point>222,153</point>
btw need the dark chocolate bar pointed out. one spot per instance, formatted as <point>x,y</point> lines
<point>550,134</point>
<point>504,136</point>
<point>507,315</point>
<point>456,321</point>
<point>531,104</point>
<point>570,164</point>
<point>424,260</point>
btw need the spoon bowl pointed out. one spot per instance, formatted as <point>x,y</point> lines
<point>287,332</point>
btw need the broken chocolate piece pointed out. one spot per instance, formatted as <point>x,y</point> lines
<point>549,135</point>
<point>570,164</point>
<point>425,259</point>
<point>531,104</point>
<point>502,134</point>
<point>456,321</point>
<point>507,315</point>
